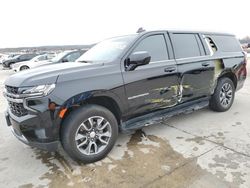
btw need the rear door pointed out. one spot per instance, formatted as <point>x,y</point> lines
<point>196,70</point>
<point>153,86</point>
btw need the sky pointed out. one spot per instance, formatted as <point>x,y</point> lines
<point>69,22</point>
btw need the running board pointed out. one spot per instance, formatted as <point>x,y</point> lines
<point>158,116</point>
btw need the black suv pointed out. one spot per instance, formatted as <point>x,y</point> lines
<point>17,58</point>
<point>121,84</point>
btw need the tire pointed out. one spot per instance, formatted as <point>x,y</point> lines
<point>76,131</point>
<point>223,96</point>
<point>9,65</point>
<point>24,68</point>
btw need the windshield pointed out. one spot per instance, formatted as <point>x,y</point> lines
<point>58,57</point>
<point>35,58</point>
<point>107,50</point>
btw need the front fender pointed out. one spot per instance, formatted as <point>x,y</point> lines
<point>81,97</point>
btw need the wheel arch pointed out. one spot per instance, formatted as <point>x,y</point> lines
<point>103,98</point>
<point>20,67</point>
<point>229,74</point>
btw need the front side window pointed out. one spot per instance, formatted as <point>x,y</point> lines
<point>155,45</point>
<point>58,57</point>
<point>72,57</point>
<point>42,58</point>
<point>185,45</point>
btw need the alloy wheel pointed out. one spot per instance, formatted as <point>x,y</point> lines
<point>226,94</point>
<point>93,135</point>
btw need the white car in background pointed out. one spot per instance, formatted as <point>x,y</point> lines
<point>66,56</point>
<point>31,63</point>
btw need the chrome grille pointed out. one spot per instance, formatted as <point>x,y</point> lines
<point>15,103</point>
<point>12,90</point>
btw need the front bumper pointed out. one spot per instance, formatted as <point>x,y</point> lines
<point>28,130</point>
<point>5,65</point>
<point>14,68</point>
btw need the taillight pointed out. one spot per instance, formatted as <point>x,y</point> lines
<point>243,70</point>
<point>245,57</point>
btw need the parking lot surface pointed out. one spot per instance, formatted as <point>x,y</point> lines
<point>201,149</point>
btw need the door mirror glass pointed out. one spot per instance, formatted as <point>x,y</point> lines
<point>137,59</point>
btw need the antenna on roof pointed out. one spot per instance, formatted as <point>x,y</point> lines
<point>140,30</point>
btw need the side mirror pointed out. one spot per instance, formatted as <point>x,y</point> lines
<point>137,59</point>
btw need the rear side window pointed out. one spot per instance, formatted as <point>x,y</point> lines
<point>155,45</point>
<point>226,43</point>
<point>185,45</point>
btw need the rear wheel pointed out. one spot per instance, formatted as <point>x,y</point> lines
<point>24,67</point>
<point>223,96</point>
<point>89,133</point>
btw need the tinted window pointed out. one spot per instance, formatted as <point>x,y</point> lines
<point>27,56</point>
<point>73,56</point>
<point>156,47</point>
<point>185,45</point>
<point>41,58</point>
<point>227,43</point>
<point>211,45</point>
<point>23,57</point>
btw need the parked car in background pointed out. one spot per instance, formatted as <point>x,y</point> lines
<point>17,58</point>
<point>122,84</point>
<point>31,63</point>
<point>5,57</point>
<point>2,57</point>
<point>66,56</point>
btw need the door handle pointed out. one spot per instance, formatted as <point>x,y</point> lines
<point>170,69</point>
<point>205,64</point>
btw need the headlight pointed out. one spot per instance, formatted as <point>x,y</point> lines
<point>41,90</point>
<point>4,91</point>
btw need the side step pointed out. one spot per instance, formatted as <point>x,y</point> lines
<point>158,116</point>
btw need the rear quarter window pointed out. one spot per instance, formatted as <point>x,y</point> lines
<point>226,43</point>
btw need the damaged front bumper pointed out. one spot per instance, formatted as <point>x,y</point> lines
<point>25,131</point>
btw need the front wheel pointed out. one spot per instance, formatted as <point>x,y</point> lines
<point>24,68</point>
<point>223,96</point>
<point>89,133</point>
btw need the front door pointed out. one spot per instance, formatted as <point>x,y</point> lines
<point>155,85</point>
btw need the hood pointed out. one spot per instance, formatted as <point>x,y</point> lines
<point>46,74</point>
<point>9,60</point>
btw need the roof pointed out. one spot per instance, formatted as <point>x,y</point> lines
<point>186,31</point>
